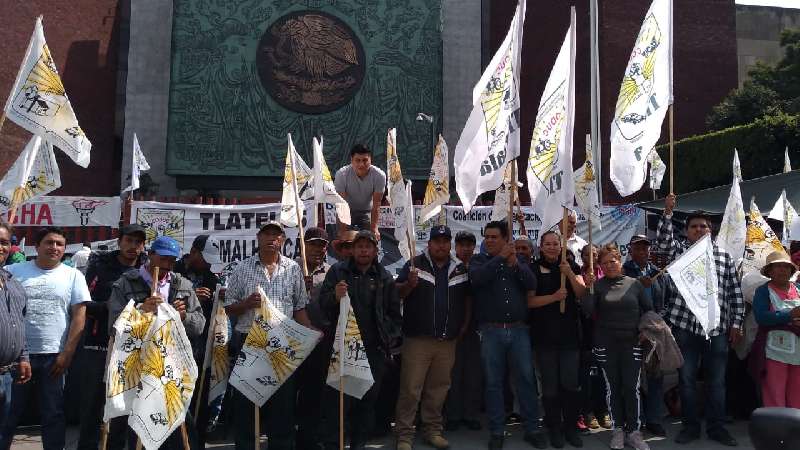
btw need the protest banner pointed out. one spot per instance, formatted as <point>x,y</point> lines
<point>65,211</point>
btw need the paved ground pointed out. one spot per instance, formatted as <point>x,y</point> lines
<point>28,439</point>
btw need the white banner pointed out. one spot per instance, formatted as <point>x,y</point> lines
<point>68,212</point>
<point>695,275</point>
<point>349,366</point>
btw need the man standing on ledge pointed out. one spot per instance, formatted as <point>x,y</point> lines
<point>362,185</point>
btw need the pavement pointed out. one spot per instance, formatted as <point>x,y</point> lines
<point>28,438</point>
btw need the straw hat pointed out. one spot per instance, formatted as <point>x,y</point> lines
<point>777,257</point>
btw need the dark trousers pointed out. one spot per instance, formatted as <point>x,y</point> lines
<point>593,388</point>
<point>654,399</point>
<point>51,404</point>
<point>311,377</point>
<point>277,415</point>
<point>464,398</point>
<point>359,415</point>
<point>559,370</point>
<point>92,365</point>
<point>714,354</point>
<point>621,365</point>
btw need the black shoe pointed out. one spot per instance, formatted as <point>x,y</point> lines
<point>722,436</point>
<point>473,425</point>
<point>573,438</point>
<point>536,439</point>
<point>656,429</point>
<point>452,425</point>
<point>687,435</point>
<point>495,442</point>
<point>556,438</point>
<point>513,419</point>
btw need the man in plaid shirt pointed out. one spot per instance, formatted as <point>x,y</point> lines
<point>689,334</point>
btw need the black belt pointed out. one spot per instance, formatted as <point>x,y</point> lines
<point>6,369</point>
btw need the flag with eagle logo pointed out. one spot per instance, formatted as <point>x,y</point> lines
<point>437,193</point>
<point>733,230</point>
<point>349,365</point>
<point>760,241</point>
<point>34,174</point>
<point>39,103</point>
<point>324,189</point>
<point>490,137</point>
<point>274,348</point>
<point>296,173</point>
<point>644,97</point>
<point>550,174</point>
<point>586,187</point>
<point>216,356</point>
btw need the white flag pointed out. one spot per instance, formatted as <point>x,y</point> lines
<point>296,173</point>
<point>39,103</point>
<point>586,187</point>
<point>644,96</point>
<point>437,193</point>
<point>216,357</point>
<point>33,174</point>
<point>657,169</point>
<point>399,196</point>
<point>550,174</point>
<point>760,242</point>
<point>785,212</point>
<point>502,194</point>
<point>491,135</point>
<point>695,276</point>
<point>787,163</point>
<point>324,190</point>
<point>169,373</point>
<point>273,350</point>
<point>349,357</point>
<point>138,165</point>
<point>733,230</point>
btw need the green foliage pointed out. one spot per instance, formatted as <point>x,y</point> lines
<point>705,161</point>
<point>770,90</point>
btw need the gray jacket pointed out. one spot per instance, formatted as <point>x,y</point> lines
<point>131,286</point>
<point>658,333</point>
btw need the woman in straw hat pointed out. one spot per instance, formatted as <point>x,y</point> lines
<point>776,306</point>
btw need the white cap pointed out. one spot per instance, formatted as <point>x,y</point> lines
<point>212,252</point>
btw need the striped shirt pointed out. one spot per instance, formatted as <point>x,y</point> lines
<point>285,289</point>
<point>12,320</point>
<point>730,299</point>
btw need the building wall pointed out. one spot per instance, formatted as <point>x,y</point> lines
<point>83,37</point>
<point>758,34</point>
<point>704,63</point>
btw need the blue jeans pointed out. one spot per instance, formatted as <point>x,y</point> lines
<point>500,346</point>
<point>51,404</point>
<point>6,385</point>
<point>714,354</point>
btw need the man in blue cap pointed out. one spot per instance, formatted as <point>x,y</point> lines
<point>171,288</point>
<point>436,307</point>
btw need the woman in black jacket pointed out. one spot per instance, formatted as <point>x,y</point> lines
<point>556,339</point>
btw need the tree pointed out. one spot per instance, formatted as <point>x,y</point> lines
<point>770,90</point>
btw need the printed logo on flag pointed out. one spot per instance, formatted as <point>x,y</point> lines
<point>499,102</point>
<point>162,222</point>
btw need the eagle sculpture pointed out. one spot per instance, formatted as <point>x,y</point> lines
<point>319,47</point>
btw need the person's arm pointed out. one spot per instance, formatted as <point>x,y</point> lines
<point>406,280</point>
<point>194,321</point>
<point>589,301</point>
<point>665,240</point>
<point>733,292</point>
<point>394,310</point>
<point>483,269</point>
<point>301,316</point>
<point>237,301</point>
<point>537,301</point>
<point>762,312</point>
<point>645,302</point>
<point>327,295</point>
<point>467,317</point>
<point>575,280</point>
<point>77,321</point>
<point>94,308</point>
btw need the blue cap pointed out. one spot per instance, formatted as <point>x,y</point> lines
<point>440,231</point>
<point>166,246</point>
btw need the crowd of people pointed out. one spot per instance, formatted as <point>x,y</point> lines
<point>565,339</point>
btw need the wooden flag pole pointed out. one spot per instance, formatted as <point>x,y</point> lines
<point>257,425</point>
<point>512,190</point>
<point>154,288</point>
<point>106,425</point>
<point>104,436</point>
<point>2,119</point>
<point>341,408</point>
<point>185,436</point>
<point>563,306</point>
<point>208,353</point>
<point>591,252</point>
<point>672,148</point>
<point>300,232</point>
<point>138,443</point>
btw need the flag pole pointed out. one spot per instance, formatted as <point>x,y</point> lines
<point>511,192</point>
<point>185,436</point>
<point>591,252</point>
<point>2,119</point>
<point>671,148</point>
<point>209,340</point>
<point>300,232</point>
<point>341,405</point>
<point>154,287</point>
<point>563,306</point>
<point>106,424</point>
<point>257,425</point>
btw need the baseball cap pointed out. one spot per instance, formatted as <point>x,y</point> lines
<point>365,234</point>
<point>440,231</point>
<point>272,223</point>
<point>639,238</point>
<point>166,246</point>
<point>315,234</point>
<point>210,250</point>
<point>133,228</point>
<point>465,236</point>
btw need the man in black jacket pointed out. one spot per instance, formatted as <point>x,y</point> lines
<point>375,303</point>
<point>436,306</point>
<point>102,271</point>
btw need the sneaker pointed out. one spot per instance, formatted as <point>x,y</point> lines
<point>513,419</point>
<point>656,429</point>
<point>403,445</point>
<point>556,438</point>
<point>473,425</point>
<point>537,439</point>
<point>606,422</point>
<point>722,436</point>
<point>573,438</point>
<point>687,435</point>
<point>437,441</point>
<point>495,442</point>
<point>617,439</point>
<point>593,423</point>
<point>581,423</point>
<point>636,441</point>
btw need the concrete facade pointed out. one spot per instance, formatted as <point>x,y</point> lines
<point>758,34</point>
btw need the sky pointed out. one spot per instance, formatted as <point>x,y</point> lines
<point>781,3</point>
